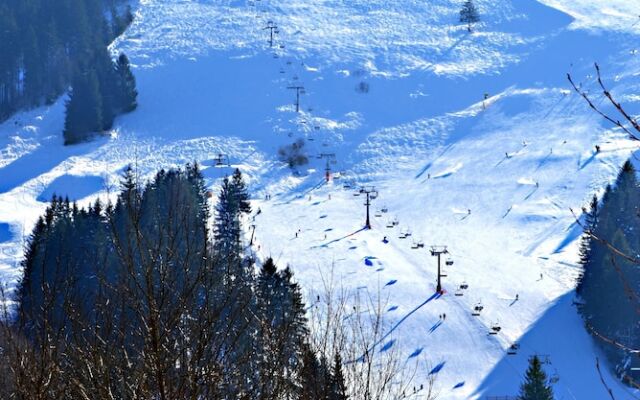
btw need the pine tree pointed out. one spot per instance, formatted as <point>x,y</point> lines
<point>535,386</point>
<point>586,241</point>
<point>469,14</point>
<point>338,385</point>
<point>84,108</point>
<point>240,192</point>
<point>127,93</point>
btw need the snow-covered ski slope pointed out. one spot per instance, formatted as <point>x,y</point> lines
<point>395,90</point>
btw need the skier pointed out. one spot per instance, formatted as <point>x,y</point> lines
<point>296,235</point>
<point>517,297</point>
<point>444,316</point>
<point>468,211</point>
<point>597,148</point>
<point>384,240</point>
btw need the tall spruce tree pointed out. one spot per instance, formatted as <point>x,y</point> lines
<point>127,93</point>
<point>535,386</point>
<point>84,108</point>
<point>338,385</point>
<point>469,14</point>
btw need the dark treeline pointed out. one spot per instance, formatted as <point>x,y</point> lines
<point>611,279</point>
<point>139,300</point>
<point>49,46</point>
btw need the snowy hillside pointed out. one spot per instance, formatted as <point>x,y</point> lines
<point>396,91</point>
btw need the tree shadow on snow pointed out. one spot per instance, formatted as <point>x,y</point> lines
<point>572,355</point>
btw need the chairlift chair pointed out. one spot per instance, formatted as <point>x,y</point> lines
<point>464,286</point>
<point>495,328</point>
<point>459,292</point>
<point>513,349</point>
<point>555,377</point>
<point>390,224</point>
<point>449,261</point>
<point>378,214</point>
<point>384,209</point>
<point>477,309</point>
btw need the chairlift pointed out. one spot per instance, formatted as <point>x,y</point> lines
<point>477,309</point>
<point>449,261</point>
<point>378,214</point>
<point>513,349</point>
<point>390,224</point>
<point>402,235</point>
<point>384,209</point>
<point>395,221</point>
<point>459,292</point>
<point>464,286</point>
<point>495,329</point>
<point>417,245</point>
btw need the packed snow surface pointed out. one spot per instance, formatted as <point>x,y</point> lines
<point>472,140</point>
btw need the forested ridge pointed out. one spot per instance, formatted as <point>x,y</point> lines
<point>49,47</point>
<point>611,279</point>
<point>138,299</point>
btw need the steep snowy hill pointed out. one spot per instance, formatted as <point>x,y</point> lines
<point>397,92</point>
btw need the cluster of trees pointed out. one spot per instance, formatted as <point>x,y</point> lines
<point>48,46</point>
<point>609,284</point>
<point>139,300</point>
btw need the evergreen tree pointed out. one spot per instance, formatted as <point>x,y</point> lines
<point>535,386</point>
<point>338,385</point>
<point>240,192</point>
<point>469,14</point>
<point>84,108</point>
<point>127,92</point>
<point>586,245</point>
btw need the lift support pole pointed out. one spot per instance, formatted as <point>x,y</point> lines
<point>437,251</point>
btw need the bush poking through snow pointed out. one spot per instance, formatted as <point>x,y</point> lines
<point>362,87</point>
<point>293,154</point>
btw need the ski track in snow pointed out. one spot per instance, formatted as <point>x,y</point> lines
<point>396,92</point>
